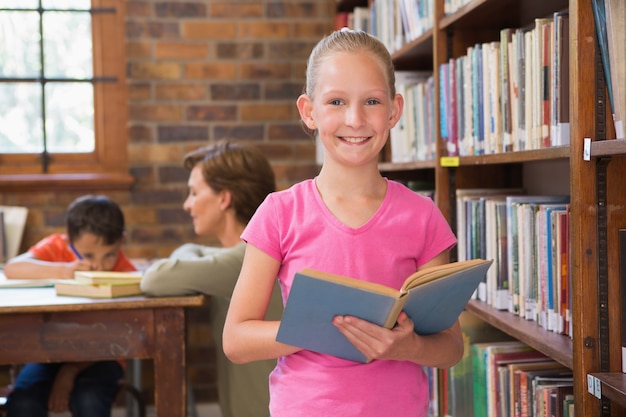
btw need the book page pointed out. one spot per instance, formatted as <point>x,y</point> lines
<point>436,272</point>
<point>352,282</point>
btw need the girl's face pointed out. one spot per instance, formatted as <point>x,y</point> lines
<point>351,108</point>
<point>203,204</point>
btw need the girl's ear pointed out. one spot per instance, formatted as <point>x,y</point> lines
<point>305,107</point>
<point>397,105</point>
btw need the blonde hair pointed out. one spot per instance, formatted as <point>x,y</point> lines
<point>347,40</point>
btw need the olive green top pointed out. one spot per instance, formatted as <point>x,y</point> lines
<point>243,389</point>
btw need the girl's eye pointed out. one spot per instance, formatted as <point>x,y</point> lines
<point>335,102</point>
<point>372,101</point>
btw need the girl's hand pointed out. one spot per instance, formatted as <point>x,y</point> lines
<point>376,342</point>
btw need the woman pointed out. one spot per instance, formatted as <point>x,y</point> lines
<point>227,182</point>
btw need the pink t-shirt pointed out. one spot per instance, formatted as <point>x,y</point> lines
<point>295,227</point>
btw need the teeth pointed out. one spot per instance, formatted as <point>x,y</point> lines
<point>355,140</point>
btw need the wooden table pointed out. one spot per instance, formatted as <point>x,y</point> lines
<point>38,326</point>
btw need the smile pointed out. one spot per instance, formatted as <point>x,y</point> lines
<point>354,140</point>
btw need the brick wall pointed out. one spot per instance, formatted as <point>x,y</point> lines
<point>199,71</point>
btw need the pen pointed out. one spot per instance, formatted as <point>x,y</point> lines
<point>78,255</point>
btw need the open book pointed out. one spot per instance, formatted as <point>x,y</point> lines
<point>433,298</point>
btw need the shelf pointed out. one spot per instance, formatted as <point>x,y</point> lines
<point>415,55</point>
<point>479,14</point>
<point>349,5</point>
<point>556,346</point>
<point>405,166</point>
<point>559,152</point>
<point>608,147</point>
<point>613,385</point>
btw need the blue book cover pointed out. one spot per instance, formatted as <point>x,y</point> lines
<point>433,298</point>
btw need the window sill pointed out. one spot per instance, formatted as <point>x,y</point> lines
<point>65,182</point>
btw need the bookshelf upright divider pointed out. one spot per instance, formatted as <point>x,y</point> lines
<point>594,164</point>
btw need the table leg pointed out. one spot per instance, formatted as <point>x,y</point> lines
<point>170,380</point>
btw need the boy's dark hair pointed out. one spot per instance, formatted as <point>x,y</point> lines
<point>98,215</point>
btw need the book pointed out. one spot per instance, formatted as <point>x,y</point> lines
<point>107,277</point>
<point>25,283</point>
<point>433,298</point>
<point>482,372</point>
<point>560,71</point>
<point>515,246</point>
<point>622,285</point>
<point>515,370</point>
<point>530,379</point>
<point>460,389</point>
<point>3,240</point>
<point>615,11</point>
<point>14,221</point>
<point>75,288</point>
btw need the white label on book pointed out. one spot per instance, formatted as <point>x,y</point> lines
<point>597,387</point>
<point>587,149</point>
<point>590,384</point>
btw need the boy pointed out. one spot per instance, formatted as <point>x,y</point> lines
<point>95,233</point>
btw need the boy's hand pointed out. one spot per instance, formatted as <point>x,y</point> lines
<point>68,268</point>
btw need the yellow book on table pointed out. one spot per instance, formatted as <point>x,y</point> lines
<point>75,288</point>
<point>107,277</point>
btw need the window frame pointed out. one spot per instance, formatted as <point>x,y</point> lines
<point>107,166</point>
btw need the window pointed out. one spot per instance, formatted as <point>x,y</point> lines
<point>63,94</point>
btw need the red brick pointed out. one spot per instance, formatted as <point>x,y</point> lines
<point>159,70</point>
<point>236,10</point>
<point>140,134</point>
<point>181,50</point>
<point>180,9</point>
<point>181,91</point>
<point>238,91</point>
<point>154,30</point>
<point>286,9</point>
<point>263,29</point>
<point>168,134</point>
<point>239,51</point>
<point>257,70</point>
<point>138,49</point>
<point>261,112</point>
<point>139,91</point>
<point>211,71</point>
<point>287,131</point>
<point>238,132</point>
<point>208,30</point>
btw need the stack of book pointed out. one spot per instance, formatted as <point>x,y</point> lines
<point>100,284</point>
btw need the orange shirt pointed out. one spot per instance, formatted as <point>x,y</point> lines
<point>55,248</point>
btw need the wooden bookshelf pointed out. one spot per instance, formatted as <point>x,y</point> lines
<point>595,185</point>
<point>612,386</point>
<point>556,346</point>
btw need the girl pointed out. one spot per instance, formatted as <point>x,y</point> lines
<point>350,221</point>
